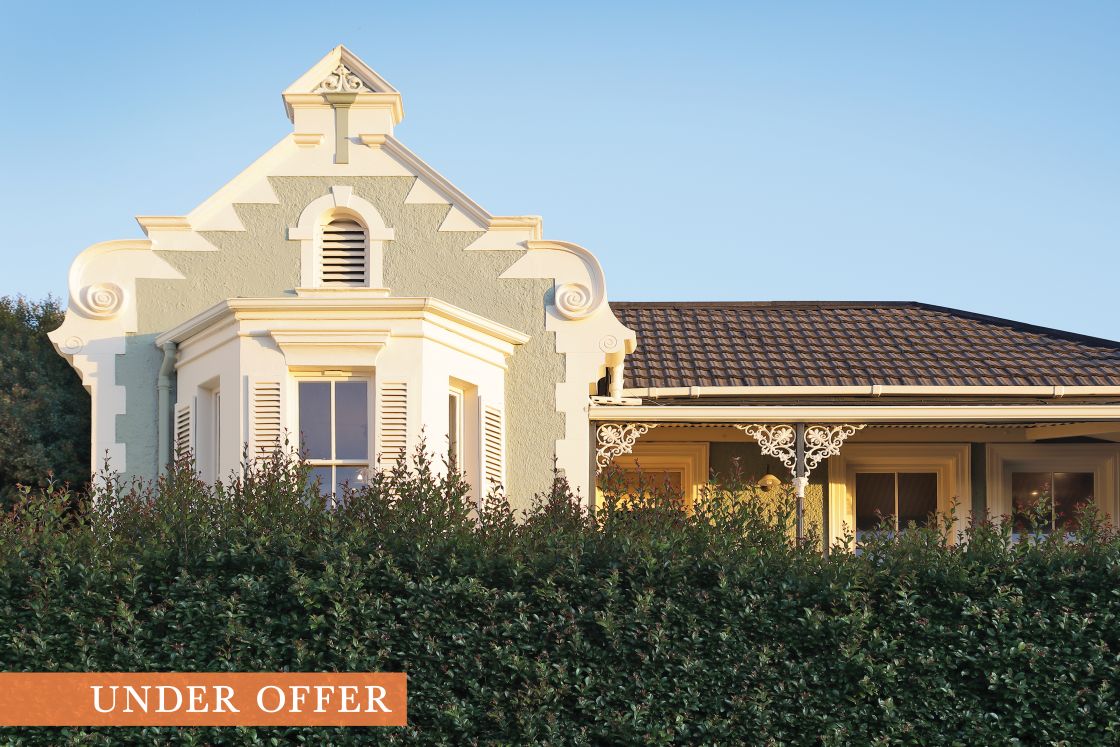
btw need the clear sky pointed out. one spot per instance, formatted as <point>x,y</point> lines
<point>958,153</point>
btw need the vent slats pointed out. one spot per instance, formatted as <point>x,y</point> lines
<point>343,253</point>
<point>393,423</point>
<point>183,445</point>
<point>267,425</point>
<point>492,447</point>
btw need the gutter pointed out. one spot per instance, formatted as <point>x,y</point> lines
<point>163,390</point>
<point>1055,391</point>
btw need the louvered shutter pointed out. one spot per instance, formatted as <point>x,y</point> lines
<point>493,447</point>
<point>184,442</point>
<point>267,427</point>
<point>344,254</point>
<point>393,423</point>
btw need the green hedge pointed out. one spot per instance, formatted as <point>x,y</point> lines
<point>640,625</point>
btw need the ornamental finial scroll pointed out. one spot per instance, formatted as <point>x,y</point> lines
<point>615,439</point>
<point>342,80</point>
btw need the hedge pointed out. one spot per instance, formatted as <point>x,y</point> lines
<point>638,625</point>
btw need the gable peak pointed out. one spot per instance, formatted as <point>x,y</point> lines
<point>342,79</point>
<point>340,71</point>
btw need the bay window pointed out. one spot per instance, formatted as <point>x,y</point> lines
<point>334,432</point>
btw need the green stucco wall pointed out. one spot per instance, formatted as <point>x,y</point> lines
<point>420,261</point>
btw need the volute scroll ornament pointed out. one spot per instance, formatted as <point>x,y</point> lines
<point>100,300</point>
<point>575,301</point>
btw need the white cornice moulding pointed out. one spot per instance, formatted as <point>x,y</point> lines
<point>316,348</point>
<point>325,306</point>
<point>307,139</point>
<point>163,223</point>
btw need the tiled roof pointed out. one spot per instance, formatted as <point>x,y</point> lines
<point>844,343</point>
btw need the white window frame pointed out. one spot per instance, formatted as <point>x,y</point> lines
<point>896,472</point>
<point>333,377</point>
<point>456,402</point>
<point>950,461</point>
<point>1102,460</point>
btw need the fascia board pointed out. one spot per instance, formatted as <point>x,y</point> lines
<point>855,414</point>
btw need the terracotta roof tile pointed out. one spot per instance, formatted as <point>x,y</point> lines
<point>842,343</point>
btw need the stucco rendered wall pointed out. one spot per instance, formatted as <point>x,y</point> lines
<point>420,261</point>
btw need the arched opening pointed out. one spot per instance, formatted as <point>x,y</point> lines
<point>343,251</point>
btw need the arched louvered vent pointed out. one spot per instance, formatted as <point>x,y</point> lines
<point>344,256</point>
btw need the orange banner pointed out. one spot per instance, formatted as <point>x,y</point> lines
<point>203,699</point>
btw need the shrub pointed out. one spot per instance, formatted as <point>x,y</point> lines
<point>44,411</point>
<point>638,625</point>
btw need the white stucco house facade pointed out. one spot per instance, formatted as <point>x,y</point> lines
<point>341,295</point>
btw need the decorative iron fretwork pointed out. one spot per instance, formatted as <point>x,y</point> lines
<point>780,441</point>
<point>342,80</point>
<point>615,439</point>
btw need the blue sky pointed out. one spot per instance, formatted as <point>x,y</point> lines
<point>958,153</point>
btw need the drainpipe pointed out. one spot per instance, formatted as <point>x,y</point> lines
<point>163,388</point>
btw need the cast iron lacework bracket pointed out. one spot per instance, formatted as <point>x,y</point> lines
<point>614,439</point>
<point>817,443</point>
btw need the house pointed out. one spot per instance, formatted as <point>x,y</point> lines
<point>341,289</point>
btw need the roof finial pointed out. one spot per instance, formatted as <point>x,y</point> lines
<point>342,80</point>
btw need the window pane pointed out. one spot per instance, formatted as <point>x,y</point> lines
<point>351,413</point>
<point>315,419</point>
<point>349,477</point>
<point>874,499</point>
<point>322,476</point>
<point>1031,502</point>
<point>917,498</point>
<point>1072,491</point>
<point>453,428</point>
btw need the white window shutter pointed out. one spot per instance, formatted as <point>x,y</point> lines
<point>493,447</point>
<point>184,430</point>
<point>392,424</point>
<point>344,257</point>
<point>267,426</point>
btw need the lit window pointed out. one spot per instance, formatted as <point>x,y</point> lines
<point>334,432</point>
<point>1049,501</point>
<point>897,497</point>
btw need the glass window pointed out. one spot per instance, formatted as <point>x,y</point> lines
<point>334,421</point>
<point>1049,501</point>
<point>898,497</point>
<point>455,428</point>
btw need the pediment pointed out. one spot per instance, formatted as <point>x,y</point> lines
<point>340,71</point>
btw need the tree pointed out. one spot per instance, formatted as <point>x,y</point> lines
<point>44,410</point>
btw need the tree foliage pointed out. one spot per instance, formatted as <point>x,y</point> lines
<point>44,411</point>
<point>641,624</point>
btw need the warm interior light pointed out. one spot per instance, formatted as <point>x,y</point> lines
<point>768,482</point>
